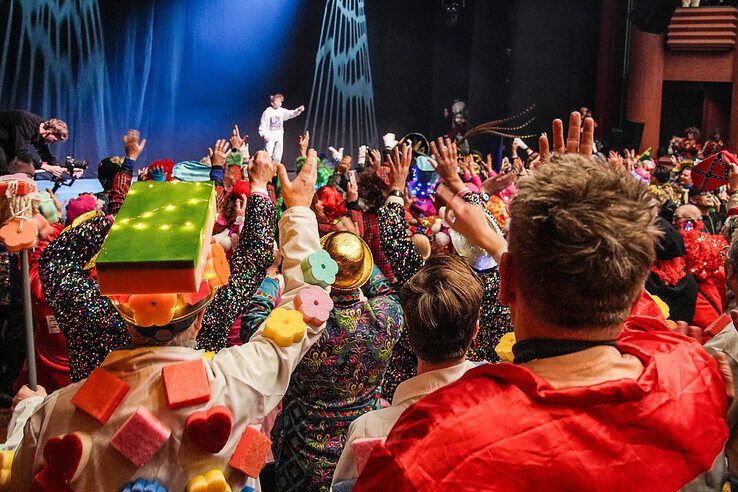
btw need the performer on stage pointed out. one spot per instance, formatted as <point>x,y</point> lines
<point>272,125</point>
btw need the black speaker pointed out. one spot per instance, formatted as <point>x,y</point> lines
<point>653,15</point>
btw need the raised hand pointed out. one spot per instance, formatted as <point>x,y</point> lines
<point>447,163</point>
<point>236,141</point>
<point>261,169</point>
<point>496,184</point>
<point>336,154</point>
<point>218,156</point>
<point>299,193</point>
<point>470,220</point>
<point>489,165</point>
<point>352,193</point>
<point>616,161</point>
<point>576,142</point>
<point>303,142</point>
<point>375,159</point>
<point>133,144</point>
<point>399,164</point>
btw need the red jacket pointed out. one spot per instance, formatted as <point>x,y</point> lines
<point>501,427</point>
<point>52,356</point>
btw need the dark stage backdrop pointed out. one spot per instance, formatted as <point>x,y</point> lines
<point>183,71</point>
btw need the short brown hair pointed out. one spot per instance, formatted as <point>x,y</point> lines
<point>58,127</point>
<point>441,304</point>
<point>582,238</point>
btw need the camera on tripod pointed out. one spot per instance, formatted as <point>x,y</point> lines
<point>73,166</point>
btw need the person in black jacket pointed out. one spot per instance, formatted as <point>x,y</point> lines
<point>27,136</point>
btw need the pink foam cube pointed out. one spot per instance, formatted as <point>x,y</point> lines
<point>363,449</point>
<point>141,437</point>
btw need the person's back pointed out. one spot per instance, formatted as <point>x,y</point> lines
<point>592,401</point>
<point>340,377</point>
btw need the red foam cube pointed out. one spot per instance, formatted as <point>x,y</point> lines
<point>251,452</point>
<point>186,383</point>
<point>100,395</point>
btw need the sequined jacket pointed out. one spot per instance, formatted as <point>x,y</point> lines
<point>90,323</point>
<point>494,319</point>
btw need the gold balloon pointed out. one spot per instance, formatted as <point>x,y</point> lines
<point>353,256</point>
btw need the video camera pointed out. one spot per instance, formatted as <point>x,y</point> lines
<point>71,165</point>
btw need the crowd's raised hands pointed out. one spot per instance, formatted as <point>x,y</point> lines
<point>300,191</point>
<point>218,153</point>
<point>133,144</point>
<point>399,164</point>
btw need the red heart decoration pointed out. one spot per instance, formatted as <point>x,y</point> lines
<point>67,455</point>
<point>210,430</point>
<point>44,482</point>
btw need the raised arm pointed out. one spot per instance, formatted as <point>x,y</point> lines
<point>401,253</point>
<point>260,370</point>
<point>261,304</point>
<point>293,113</point>
<point>90,323</point>
<point>122,179</point>
<point>249,262</point>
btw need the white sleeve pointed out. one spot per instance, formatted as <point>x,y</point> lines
<point>21,413</point>
<point>264,123</point>
<point>291,113</point>
<point>257,373</point>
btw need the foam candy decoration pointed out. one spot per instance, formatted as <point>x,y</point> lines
<point>362,449</point>
<point>285,326</point>
<point>319,268</point>
<point>315,305</point>
<point>195,297</point>
<point>251,452</point>
<point>160,240</point>
<point>208,356</point>
<point>718,325</point>
<point>186,383</point>
<point>153,309</point>
<point>144,485</point>
<point>210,430</point>
<point>6,465</point>
<point>505,345</point>
<point>67,455</point>
<point>45,482</point>
<point>100,395</point>
<point>217,269</point>
<point>18,235</point>
<point>140,437</point>
<point>212,481</point>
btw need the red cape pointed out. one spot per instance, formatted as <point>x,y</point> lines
<point>501,427</point>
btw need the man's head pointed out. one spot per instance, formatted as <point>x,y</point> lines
<point>276,100</point>
<point>660,175</point>
<point>581,244</point>
<point>185,338</point>
<point>686,215</point>
<point>704,200</point>
<point>54,130</point>
<point>685,177</point>
<point>21,166</point>
<point>441,304</point>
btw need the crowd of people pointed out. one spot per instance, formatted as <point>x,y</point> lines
<point>609,277</point>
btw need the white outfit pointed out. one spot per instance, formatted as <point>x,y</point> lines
<point>379,423</point>
<point>271,128</point>
<point>250,380</point>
